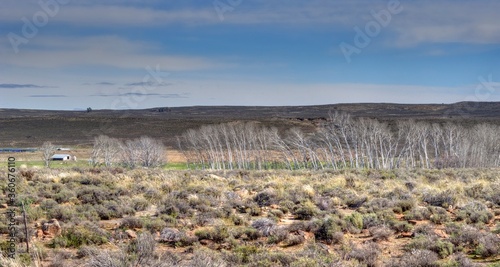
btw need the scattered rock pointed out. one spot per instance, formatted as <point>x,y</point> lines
<point>413,222</point>
<point>39,233</point>
<point>51,228</point>
<point>131,234</point>
<point>441,233</point>
<point>3,206</point>
<point>406,235</point>
<point>170,235</point>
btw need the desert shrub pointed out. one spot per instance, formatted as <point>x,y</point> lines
<point>350,180</point>
<point>73,213</point>
<point>286,205</point>
<point>475,212</point>
<point>255,210</point>
<point>418,214</point>
<point>48,204</point>
<point>371,220</point>
<point>462,235</point>
<point>439,215</point>
<point>64,196</point>
<point>93,195</point>
<point>418,258</point>
<point>269,259</point>
<point>175,208</point>
<point>242,255</point>
<point>441,247</point>
<point>153,224</point>
<point>131,223</point>
<point>440,199</point>
<point>305,211</point>
<point>367,254</point>
<point>34,213</point>
<point>265,198</point>
<point>278,235</point>
<point>63,214</point>
<point>488,245</point>
<point>205,218</point>
<point>276,213</point>
<point>111,209</point>
<point>143,248</point>
<point>85,212</point>
<point>405,205</point>
<point>424,229</point>
<point>459,260</point>
<point>252,233</point>
<point>325,204</point>
<point>207,258</point>
<point>27,174</point>
<point>139,204</point>
<point>354,201</point>
<point>484,244</point>
<point>294,239</point>
<point>380,233</point>
<point>329,231</point>
<point>497,229</point>
<point>238,220</point>
<point>377,204</point>
<point>151,194</point>
<point>79,235</point>
<point>355,219</point>
<point>264,225</point>
<point>474,191</point>
<point>493,194</point>
<point>216,234</point>
<point>403,226</point>
<point>171,235</point>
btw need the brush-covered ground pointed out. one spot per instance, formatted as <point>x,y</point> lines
<point>119,217</point>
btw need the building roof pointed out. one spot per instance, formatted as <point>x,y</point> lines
<point>61,156</point>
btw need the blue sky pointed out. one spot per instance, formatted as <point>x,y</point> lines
<point>73,54</point>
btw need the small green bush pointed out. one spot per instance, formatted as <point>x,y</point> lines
<point>329,231</point>
<point>305,211</point>
<point>216,234</point>
<point>355,219</point>
<point>131,223</point>
<point>79,235</point>
<point>474,212</point>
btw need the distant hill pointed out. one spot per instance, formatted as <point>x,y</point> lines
<point>30,128</point>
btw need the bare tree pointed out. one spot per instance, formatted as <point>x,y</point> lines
<point>145,152</point>
<point>105,150</point>
<point>48,150</point>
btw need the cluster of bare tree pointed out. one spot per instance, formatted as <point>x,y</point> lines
<point>144,151</point>
<point>343,142</point>
<point>229,146</point>
<point>368,143</point>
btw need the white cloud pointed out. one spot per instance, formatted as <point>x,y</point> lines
<point>425,21</point>
<point>471,22</point>
<point>111,51</point>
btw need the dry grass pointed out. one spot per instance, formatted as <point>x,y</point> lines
<point>265,218</point>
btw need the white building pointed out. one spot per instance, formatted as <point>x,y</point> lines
<point>62,157</point>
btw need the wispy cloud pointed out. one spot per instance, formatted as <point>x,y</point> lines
<point>49,96</point>
<point>138,94</point>
<point>110,51</point>
<point>16,86</point>
<point>150,83</point>
<point>175,96</point>
<point>470,22</point>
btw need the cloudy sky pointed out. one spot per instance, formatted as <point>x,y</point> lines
<point>73,54</point>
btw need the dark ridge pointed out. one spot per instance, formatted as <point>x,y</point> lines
<point>30,128</point>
